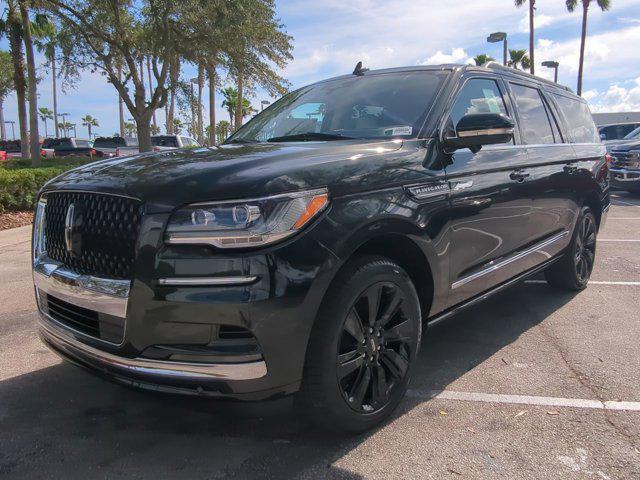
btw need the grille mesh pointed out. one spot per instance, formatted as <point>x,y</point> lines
<point>108,231</point>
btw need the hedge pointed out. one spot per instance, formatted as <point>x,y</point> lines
<point>19,186</point>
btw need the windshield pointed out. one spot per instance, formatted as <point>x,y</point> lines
<point>633,134</point>
<point>370,106</point>
<point>164,141</point>
<point>109,142</point>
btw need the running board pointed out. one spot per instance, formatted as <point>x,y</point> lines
<point>483,296</point>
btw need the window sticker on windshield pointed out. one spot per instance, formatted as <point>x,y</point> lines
<point>492,101</point>
<point>398,131</point>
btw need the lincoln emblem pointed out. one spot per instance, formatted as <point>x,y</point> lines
<point>68,229</point>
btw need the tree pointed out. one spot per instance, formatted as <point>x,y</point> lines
<point>519,57</point>
<point>45,114</point>
<point>532,8</point>
<point>155,129</point>
<point>222,130</point>
<point>89,122</point>
<point>111,32</point>
<point>177,126</point>
<point>66,127</point>
<point>130,129</point>
<point>12,28</point>
<point>259,42</point>
<point>482,58</point>
<point>230,102</point>
<point>6,86</point>
<point>571,6</point>
<point>34,136</point>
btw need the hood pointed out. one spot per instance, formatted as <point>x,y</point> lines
<point>168,179</point>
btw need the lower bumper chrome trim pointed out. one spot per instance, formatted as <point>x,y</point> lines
<point>203,281</point>
<point>147,369</point>
<point>98,294</point>
<point>507,261</point>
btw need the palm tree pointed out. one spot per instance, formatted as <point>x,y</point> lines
<point>519,57</point>
<point>155,129</point>
<point>571,5</point>
<point>230,95</point>
<point>177,126</point>
<point>89,122</point>
<point>222,130</point>
<point>482,58</point>
<point>46,41</point>
<point>130,128</point>
<point>66,127</point>
<point>532,7</point>
<point>34,137</point>
<point>45,114</point>
<point>6,86</point>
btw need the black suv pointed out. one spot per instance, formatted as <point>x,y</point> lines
<point>308,253</point>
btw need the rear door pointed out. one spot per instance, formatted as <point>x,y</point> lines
<point>552,163</point>
<point>490,203</point>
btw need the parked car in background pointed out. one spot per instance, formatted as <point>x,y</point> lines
<point>617,131</point>
<point>48,146</point>
<point>632,137</point>
<point>308,252</point>
<point>108,146</point>
<point>12,149</point>
<point>161,143</point>
<point>625,166</point>
<point>75,147</point>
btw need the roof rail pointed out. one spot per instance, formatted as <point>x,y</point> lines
<point>498,66</point>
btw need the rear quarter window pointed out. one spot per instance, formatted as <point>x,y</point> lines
<point>581,128</point>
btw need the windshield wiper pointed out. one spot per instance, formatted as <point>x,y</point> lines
<point>309,136</point>
<point>242,140</point>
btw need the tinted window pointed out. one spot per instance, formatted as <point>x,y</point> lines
<point>112,142</point>
<point>368,106</point>
<point>634,134</point>
<point>580,123</point>
<point>50,142</point>
<point>164,141</point>
<point>64,143</point>
<point>535,125</point>
<point>82,143</point>
<point>478,96</point>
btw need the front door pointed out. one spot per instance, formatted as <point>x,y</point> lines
<point>490,198</point>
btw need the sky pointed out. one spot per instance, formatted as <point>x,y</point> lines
<point>331,36</point>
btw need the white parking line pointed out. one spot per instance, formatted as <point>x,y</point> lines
<point>617,240</point>
<point>594,282</point>
<point>623,218</point>
<point>624,203</point>
<point>523,400</point>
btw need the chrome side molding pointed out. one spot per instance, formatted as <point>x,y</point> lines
<point>204,281</point>
<point>507,261</point>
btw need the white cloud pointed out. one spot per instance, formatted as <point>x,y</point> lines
<point>629,20</point>
<point>540,21</point>
<point>617,98</point>
<point>457,55</point>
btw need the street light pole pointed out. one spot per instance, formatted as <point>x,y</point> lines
<point>552,64</point>
<point>496,37</point>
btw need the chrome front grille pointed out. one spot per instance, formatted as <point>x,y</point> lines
<point>626,159</point>
<point>106,231</point>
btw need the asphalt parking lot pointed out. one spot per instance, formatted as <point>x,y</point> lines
<point>532,384</point>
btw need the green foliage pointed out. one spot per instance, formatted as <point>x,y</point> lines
<point>482,58</point>
<point>6,74</point>
<point>19,187</point>
<point>519,57</point>
<point>20,183</point>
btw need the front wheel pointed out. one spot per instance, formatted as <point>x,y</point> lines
<point>362,346</point>
<point>573,271</point>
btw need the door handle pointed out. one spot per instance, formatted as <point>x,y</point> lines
<point>519,175</point>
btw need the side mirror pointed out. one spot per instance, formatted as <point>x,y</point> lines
<point>477,129</point>
<point>603,136</point>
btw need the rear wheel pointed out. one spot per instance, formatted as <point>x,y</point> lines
<point>573,271</point>
<point>362,346</point>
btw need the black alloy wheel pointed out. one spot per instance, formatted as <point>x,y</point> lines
<point>585,251</point>
<point>374,349</point>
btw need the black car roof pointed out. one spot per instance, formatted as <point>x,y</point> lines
<point>487,67</point>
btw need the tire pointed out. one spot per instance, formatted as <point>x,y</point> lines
<point>354,377</point>
<point>573,270</point>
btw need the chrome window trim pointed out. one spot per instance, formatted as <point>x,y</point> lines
<point>507,261</point>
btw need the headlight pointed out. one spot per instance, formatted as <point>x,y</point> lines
<point>245,223</point>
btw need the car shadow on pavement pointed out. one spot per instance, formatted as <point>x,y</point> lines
<point>63,422</point>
